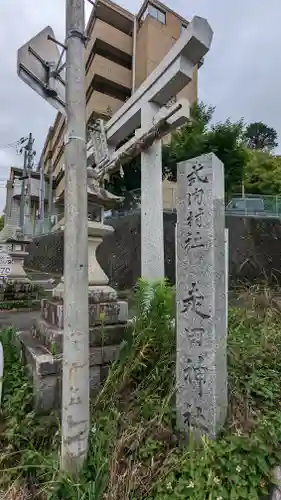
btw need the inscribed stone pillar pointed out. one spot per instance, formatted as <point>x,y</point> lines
<point>152,229</point>
<point>201,305</point>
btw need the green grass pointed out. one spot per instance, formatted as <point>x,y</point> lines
<point>136,451</point>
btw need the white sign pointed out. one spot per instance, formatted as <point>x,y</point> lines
<point>5,265</point>
<point>37,60</point>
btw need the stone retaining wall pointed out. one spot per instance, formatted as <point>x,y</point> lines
<point>254,250</point>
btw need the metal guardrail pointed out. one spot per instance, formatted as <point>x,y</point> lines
<point>251,205</point>
<point>248,206</point>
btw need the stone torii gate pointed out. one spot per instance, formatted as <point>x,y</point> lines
<point>149,114</point>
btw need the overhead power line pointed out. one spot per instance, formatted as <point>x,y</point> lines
<point>13,144</point>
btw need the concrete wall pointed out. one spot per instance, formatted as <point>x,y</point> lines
<point>254,253</point>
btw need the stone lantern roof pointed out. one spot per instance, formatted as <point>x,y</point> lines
<point>12,233</point>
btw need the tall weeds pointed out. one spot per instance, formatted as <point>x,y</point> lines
<point>136,451</point>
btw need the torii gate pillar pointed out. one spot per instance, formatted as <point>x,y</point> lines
<point>152,229</point>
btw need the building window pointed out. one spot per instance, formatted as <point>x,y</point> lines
<point>154,12</point>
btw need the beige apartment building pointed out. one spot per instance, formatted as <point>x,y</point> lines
<point>122,51</point>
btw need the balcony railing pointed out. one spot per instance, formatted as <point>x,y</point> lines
<point>251,205</point>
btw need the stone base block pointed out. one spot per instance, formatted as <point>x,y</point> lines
<point>45,369</point>
<point>97,293</point>
<point>102,293</point>
<point>51,337</point>
<point>106,313</point>
<point>52,312</point>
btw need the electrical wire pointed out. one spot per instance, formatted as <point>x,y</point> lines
<point>13,144</point>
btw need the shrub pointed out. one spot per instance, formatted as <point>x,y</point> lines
<point>15,294</point>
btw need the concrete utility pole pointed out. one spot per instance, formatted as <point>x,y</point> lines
<point>42,196</point>
<point>50,196</point>
<point>22,196</point>
<point>27,167</point>
<point>30,156</point>
<point>75,397</point>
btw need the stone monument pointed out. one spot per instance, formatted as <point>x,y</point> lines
<point>108,317</point>
<point>201,307</point>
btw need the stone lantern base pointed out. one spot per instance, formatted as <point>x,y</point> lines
<point>97,277</point>
<point>17,271</point>
<point>108,320</point>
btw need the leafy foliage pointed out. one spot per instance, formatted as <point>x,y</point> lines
<point>259,136</point>
<point>194,139</point>
<point>2,222</point>
<point>17,295</point>
<point>136,450</point>
<point>223,139</point>
<point>130,181</point>
<point>262,173</point>
<point>233,143</point>
<point>26,440</point>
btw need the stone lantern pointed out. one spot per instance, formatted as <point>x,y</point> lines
<point>108,317</point>
<point>99,200</point>
<point>15,244</point>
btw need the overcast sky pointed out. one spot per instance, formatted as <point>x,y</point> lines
<point>241,75</point>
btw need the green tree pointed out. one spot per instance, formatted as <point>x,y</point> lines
<point>121,184</point>
<point>199,137</point>
<point>262,174</point>
<point>131,180</point>
<point>259,136</point>
<point>2,222</point>
<point>229,140</point>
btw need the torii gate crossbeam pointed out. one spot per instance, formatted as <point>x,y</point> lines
<point>139,115</point>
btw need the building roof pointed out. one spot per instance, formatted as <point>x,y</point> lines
<point>19,171</point>
<point>161,6</point>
